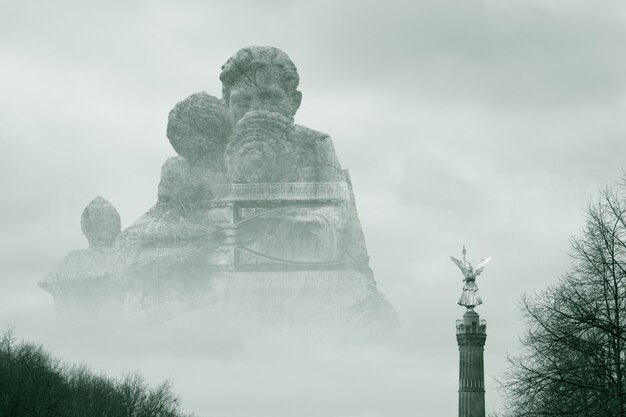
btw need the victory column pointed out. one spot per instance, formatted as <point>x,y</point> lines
<point>471,333</point>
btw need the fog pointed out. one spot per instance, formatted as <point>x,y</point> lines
<point>482,123</point>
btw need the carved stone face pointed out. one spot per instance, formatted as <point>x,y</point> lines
<point>262,90</point>
<point>258,150</point>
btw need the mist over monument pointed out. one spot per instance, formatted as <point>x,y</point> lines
<point>255,219</point>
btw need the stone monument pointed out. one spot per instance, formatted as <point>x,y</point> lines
<point>471,333</point>
<point>255,218</point>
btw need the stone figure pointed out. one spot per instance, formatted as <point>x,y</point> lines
<point>470,297</point>
<point>264,78</point>
<point>83,273</point>
<point>260,87</point>
<point>254,217</point>
<point>100,223</point>
<point>198,129</point>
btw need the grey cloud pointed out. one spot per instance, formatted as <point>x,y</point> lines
<point>520,55</point>
<point>433,184</point>
<point>515,55</point>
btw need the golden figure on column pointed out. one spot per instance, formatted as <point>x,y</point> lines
<point>470,297</point>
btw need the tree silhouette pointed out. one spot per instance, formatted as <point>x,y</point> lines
<point>572,361</point>
<point>33,384</point>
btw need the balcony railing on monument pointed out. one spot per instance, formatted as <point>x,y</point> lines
<point>473,328</point>
<point>281,191</point>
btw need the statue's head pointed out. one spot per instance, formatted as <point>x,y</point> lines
<point>260,78</point>
<point>198,128</point>
<point>100,223</point>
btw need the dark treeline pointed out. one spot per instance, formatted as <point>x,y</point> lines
<point>34,384</point>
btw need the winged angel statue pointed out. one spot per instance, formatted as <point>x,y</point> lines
<point>469,297</point>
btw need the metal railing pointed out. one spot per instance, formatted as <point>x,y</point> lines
<point>292,191</point>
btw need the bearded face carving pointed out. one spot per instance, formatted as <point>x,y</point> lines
<point>259,150</point>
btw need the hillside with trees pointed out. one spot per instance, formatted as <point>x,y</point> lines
<point>35,384</point>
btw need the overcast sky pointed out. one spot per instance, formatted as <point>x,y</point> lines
<point>485,123</point>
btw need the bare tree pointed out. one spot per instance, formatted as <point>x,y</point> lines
<point>31,382</point>
<point>572,361</point>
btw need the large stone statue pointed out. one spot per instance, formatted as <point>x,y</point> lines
<point>254,218</point>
